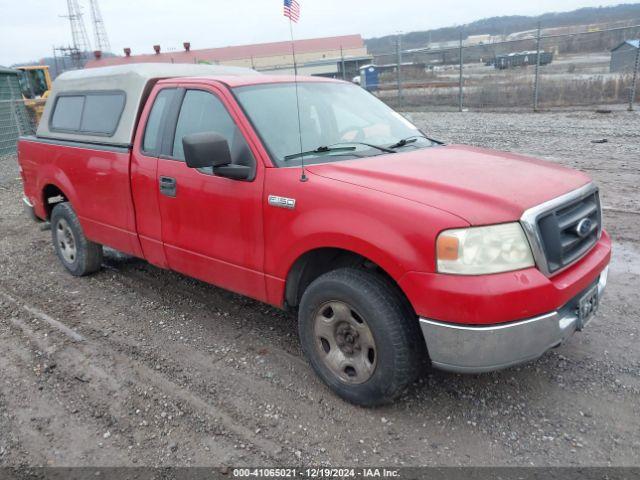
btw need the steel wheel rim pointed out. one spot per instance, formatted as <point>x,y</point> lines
<point>344,342</point>
<point>66,241</point>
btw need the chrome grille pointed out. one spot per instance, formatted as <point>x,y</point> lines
<point>564,229</point>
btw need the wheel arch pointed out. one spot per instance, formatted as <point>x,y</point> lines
<point>53,183</point>
<point>51,195</point>
<point>315,262</point>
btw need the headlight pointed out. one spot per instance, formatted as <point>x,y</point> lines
<point>482,250</point>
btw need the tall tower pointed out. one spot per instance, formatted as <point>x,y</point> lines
<point>100,33</point>
<point>78,30</point>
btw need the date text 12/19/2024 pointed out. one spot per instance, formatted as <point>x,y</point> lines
<point>320,472</point>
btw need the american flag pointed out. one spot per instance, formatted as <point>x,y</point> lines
<point>292,10</point>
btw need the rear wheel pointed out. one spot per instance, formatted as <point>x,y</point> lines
<point>359,336</point>
<point>79,255</point>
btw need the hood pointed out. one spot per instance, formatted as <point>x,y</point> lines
<point>479,185</point>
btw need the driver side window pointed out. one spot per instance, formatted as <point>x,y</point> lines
<point>203,112</point>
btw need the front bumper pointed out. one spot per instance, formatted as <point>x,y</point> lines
<point>476,349</point>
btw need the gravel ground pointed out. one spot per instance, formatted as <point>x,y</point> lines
<point>141,366</point>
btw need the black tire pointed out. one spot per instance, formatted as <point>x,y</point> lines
<point>395,329</point>
<point>86,256</point>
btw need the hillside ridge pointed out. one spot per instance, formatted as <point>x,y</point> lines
<point>505,25</point>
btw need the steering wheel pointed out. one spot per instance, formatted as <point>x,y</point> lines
<point>353,133</point>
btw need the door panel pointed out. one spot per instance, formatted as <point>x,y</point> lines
<point>212,226</point>
<point>144,185</point>
<point>144,174</point>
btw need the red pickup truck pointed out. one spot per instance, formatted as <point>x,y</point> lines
<point>314,196</point>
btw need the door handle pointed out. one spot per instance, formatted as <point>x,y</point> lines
<point>168,186</point>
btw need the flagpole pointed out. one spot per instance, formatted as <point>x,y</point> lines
<point>293,48</point>
<point>303,176</point>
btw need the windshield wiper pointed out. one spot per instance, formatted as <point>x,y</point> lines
<point>335,147</point>
<point>321,149</point>
<point>408,140</point>
<point>370,145</point>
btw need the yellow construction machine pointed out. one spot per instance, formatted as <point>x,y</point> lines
<point>35,83</point>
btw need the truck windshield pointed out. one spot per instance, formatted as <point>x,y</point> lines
<point>331,115</point>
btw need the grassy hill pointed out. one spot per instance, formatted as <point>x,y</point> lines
<point>509,24</point>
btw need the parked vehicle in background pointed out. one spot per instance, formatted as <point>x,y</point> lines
<point>311,195</point>
<point>521,59</point>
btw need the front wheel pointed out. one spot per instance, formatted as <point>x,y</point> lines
<point>77,253</point>
<point>359,336</point>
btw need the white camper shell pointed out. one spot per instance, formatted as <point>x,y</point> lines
<point>113,97</point>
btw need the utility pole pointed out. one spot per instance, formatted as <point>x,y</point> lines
<point>632,93</point>
<point>100,32</point>
<point>399,67</point>
<point>55,63</point>
<point>460,90</point>
<point>536,81</point>
<point>344,74</point>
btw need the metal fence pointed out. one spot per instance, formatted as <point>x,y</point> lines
<point>15,118</point>
<point>536,70</point>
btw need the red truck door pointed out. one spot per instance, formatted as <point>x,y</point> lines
<point>211,226</point>
<point>144,173</point>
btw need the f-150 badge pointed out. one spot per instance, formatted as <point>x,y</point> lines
<point>282,202</point>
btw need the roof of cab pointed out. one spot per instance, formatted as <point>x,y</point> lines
<point>136,81</point>
<point>262,79</point>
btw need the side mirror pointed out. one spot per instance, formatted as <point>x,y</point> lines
<point>206,149</point>
<point>235,172</point>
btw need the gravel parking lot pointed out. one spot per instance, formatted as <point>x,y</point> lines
<point>140,366</point>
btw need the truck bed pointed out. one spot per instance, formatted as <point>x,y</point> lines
<point>98,174</point>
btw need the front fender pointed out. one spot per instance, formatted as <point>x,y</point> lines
<point>396,234</point>
<point>362,234</point>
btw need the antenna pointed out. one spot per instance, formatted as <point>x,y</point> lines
<point>99,31</point>
<point>78,30</point>
<point>303,176</point>
<point>292,12</point>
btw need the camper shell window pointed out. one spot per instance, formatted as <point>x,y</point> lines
<point>88,113</point>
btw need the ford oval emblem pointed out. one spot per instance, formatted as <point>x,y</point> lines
<point>584,227</point>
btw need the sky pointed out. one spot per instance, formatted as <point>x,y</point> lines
<point>30,28</point>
